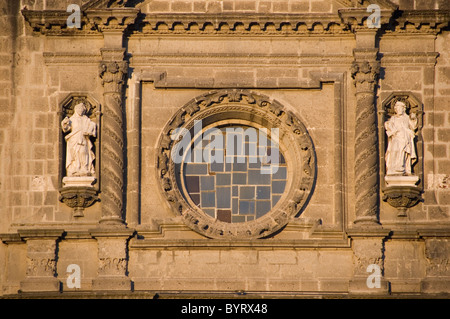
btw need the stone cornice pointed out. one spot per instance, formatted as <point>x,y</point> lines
<point>93,21</point>
<point>423,21</point>
<point>112,19</point>
<point>254,23</point>
<point>356,18</point>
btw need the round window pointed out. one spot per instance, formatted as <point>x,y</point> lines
<point>235,164</point>
<point>233,173</point>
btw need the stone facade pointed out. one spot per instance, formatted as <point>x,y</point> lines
<point>315,70</point>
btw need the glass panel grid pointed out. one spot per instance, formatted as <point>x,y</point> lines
<point>236,190</point>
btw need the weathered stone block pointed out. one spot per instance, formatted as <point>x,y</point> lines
<point>159,6</point>
<point>264,6</point>
<point>181,6</point>
<point>280,6</point>
<point>228,5</point>
<point>406,4</point>
<point>239,257</point>
<point>278,257</point>
<point>443,134</point>
<point>320,6</point>
<point>245,5</point>
<point>199,6</point>
<point>214,6</point>
<point>300,6</point>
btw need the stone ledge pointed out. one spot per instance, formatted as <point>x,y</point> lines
<point>71,58</point>
<point>234,244</point>
<point>216,294</point>
<point>427,233</point>
<point>188,59</point>
<point>111,232</point>
<point>13,238</point>
<point>368,232</point>
<point>35,284</point>
<point>40,233</point>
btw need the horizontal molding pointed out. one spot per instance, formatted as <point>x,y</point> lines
<point>250,81</point>
<point>236,244</point>
<point>143,59</point>
<point>190,59</point>
<point>409,58</point>
<point>71,58</point>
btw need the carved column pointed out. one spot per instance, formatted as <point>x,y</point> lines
<point>112,241</point>
<point>365,71</point>
<point>112,71</point>
<point>41,260</point>
<point>112,22</point>
<point>367,242</point>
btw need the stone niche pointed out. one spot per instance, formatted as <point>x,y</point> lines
<point>401,122</point>
<point>80,120</point>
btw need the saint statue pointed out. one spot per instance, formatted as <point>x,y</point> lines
<point>400,129</point>
<point>79,154</point>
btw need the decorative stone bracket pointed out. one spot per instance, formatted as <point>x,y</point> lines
<point>78,198</point>
<point>402,198</point>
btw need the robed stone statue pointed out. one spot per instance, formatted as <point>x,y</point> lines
<point>79,154</point>
<point>400,129</point>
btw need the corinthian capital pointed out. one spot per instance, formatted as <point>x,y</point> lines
<point>112,74</point>
<point>365,72</point>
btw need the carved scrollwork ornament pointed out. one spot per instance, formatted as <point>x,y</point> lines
<point>239,107</point>
<point>78,198</point>
<point>402,198</point>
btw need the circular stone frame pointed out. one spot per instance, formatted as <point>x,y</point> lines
<point>235,106</point>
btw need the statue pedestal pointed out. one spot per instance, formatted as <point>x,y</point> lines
<point>401,192</point>
<point>400,180</point>
<point>78,193</point>
<point>79,181</point>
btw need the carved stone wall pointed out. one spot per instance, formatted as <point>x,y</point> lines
<point>313,69</point>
